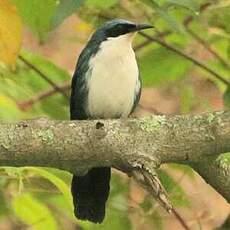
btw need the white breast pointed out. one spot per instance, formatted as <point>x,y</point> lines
<point>114,79</point>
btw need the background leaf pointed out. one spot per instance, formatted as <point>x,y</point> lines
<point>37,14</point>
<point>60,184</point>
<point>189,4</point>
<point>162,66</point>
<point>27,83</point>
<point>10,33</point>
<point>101,4</point>
<point>64,9</point>
<point>169,19</point>
<point>175,86</point>
<point>9,110</point>
<point>33,213</point>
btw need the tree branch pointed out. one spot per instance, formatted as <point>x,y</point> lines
<point>203,7</point>
<point>147,41</point>
<point>130,145</point>
<point>215,167</point>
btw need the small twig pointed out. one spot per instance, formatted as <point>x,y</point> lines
<point>186,22</point>
<point>186,56</point>
<point>147,41</point>
<point>24,105</point>
<point>148,178</point>
<point>156,186</point>
<point>203,7</point>
<point>180,219</point>
<point>34,68</point>
<point>208,47</point>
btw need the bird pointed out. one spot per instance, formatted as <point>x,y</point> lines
<point>106,84</point>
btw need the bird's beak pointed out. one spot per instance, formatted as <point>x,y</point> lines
<point>143,27</point>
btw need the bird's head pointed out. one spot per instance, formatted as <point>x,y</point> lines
<point>119,28</point>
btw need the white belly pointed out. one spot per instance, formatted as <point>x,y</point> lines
<point>113,82</point>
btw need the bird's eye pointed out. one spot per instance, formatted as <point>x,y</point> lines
<point>121,29</point>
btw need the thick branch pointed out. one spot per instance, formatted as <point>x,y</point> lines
<point>129,144</point>
<point>216,171</point>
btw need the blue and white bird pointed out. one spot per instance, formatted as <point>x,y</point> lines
<point>106,84</point>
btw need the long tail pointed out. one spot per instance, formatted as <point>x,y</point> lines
<point>90,193</point>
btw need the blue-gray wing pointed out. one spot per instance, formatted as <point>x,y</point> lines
<point>79,91</point>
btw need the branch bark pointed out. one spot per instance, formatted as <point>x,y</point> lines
<point>129,145</point>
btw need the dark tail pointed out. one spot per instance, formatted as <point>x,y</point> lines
<point>90,193</point>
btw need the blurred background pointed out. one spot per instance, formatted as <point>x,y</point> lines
<point>185,68</point>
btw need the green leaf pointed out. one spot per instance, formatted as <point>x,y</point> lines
<point>27,84</point>
<point>11,171</point>
<point>64,9</point>
<point>220,17</point>
<point>226,98</point>
<point>175,191</point>
<point>33,213</point>
<point>160,66</point>
<point>101,4</point>
<point>59,183</point>
<point>37,14</point>
<point>54,72</point>
<point>56,106</point>
<point>228,50</point>
<point>169,19</point>
<point>188,4</point>
<point>9,110</point>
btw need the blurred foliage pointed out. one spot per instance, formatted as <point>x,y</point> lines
<point>177,194</point>
<point>37,15</point>
<point>10,38</point>
<point>28,83</point>
<point>226,98</point>
<point>39,198</point>
<point>33,212</point>
<point>152,63</point>
<point>64,9</point>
